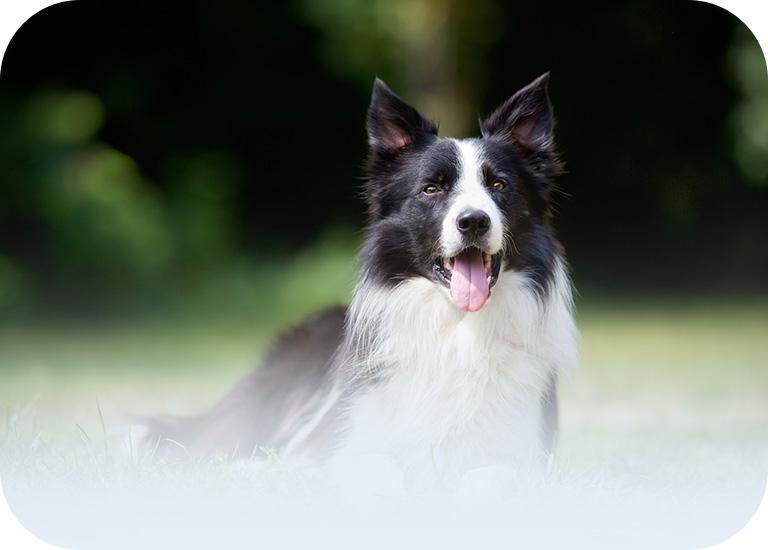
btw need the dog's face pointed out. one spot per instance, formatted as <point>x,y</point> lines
<point>461,212</point>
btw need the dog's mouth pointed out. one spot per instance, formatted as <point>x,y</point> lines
<point>469,276</point>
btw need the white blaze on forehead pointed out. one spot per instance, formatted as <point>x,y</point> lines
<point>470,193</point>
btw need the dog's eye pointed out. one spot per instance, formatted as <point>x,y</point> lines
<point>430,190</point>
<point>499,185</point>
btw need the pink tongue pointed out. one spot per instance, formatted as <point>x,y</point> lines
<point>469,284</point>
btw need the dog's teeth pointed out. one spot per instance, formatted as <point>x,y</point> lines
<point>448,263</point>
<point>487,260</point>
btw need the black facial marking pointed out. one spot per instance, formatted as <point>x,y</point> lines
<point>404,222</point>
<point>530,245</point>
<point>411,178</point>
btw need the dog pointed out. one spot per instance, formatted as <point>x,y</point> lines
<point>448,356</point>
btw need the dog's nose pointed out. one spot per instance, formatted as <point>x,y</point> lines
<point>473,223</point>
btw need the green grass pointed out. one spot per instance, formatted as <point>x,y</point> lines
<point>667,416</point>
<point>645,365</point>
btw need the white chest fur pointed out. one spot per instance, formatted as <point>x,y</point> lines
<point>457,390</point>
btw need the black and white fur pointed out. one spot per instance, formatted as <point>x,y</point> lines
<point>403,372</point>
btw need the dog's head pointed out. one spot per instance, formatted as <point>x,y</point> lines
<point>461,212</point>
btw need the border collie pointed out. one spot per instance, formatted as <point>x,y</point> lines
<point>461,320</point>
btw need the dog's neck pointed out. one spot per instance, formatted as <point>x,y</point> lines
<point>414,328</point>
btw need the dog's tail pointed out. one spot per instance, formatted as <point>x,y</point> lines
<point>263,410</point>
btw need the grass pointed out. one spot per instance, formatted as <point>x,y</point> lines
<point>664,428</point>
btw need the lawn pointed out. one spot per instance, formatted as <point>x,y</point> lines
<point>664,437</point>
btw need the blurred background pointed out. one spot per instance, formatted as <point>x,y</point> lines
<point>179,183</point>
<point>159,158</point>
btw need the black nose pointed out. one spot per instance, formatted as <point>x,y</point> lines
<point>473,223</point>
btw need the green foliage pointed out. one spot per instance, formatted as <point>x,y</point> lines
<point>321,275</point>
<point>202,190</point>
<point>107,223</point>
<point>106,232</point>
<point>749,119</point>
<point>99,224</point>
<point>13,285</point>
<point>279,287</point>
<point>70,116</point>
<point>111,234</point>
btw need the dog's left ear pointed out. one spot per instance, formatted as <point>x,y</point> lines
<point>524,119</point>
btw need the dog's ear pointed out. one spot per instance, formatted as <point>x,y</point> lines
<point>525,118</point>
<point>393,125</point>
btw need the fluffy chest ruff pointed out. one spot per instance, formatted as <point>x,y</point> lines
<point>443,391</point>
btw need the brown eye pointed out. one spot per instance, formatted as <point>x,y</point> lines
<point>499,185</point>
<point>430,190</point>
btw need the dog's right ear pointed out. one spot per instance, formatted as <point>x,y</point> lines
<point>393,125</point>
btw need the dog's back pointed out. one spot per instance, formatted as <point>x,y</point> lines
<point>264,408</point>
